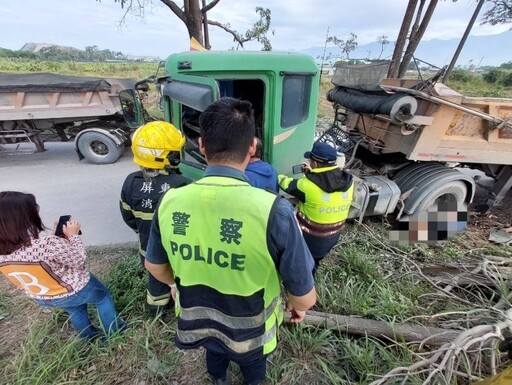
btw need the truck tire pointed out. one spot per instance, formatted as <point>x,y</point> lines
<point>98,148</point>
<point>454,191</point>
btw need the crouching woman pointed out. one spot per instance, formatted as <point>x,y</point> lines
<point>51,269</point>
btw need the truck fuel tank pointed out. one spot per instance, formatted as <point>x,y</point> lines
<point>373,195</point>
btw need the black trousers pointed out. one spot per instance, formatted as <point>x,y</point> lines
<point>320,246</point>
<point>156,288</point>
<point>253,371</point>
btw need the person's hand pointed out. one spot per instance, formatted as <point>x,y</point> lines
<point>173,292</point>
<point>71,228</point>
<point>297,315</point>
<point>306,167</point>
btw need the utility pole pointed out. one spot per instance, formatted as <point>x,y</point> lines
<point>323,55</point>
<point>463,40</point>
<point>480,62</point>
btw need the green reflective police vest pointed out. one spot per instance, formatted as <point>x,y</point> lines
<point>322,207</point>
<point>215,234</point>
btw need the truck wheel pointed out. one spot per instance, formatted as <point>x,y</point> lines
<point>453,191</point>
<point>98,148</point>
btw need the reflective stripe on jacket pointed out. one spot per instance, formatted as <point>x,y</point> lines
<point>215,234</point>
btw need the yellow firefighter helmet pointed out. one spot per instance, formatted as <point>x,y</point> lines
<point>156,145</point>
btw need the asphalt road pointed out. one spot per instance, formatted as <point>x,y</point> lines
<point>64,185</point>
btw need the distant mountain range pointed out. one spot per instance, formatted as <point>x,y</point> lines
<point>491,50</point>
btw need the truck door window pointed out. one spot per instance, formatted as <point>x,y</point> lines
<point>295,102</point>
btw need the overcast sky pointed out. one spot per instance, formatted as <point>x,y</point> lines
<point>298,25</point>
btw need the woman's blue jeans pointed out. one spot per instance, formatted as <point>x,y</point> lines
<point>75,305</point>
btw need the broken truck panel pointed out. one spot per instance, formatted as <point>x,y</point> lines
<point>463,129</point>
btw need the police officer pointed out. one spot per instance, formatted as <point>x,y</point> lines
<point>227,246</point>
<point>156,149</point>
<point>324,194</point>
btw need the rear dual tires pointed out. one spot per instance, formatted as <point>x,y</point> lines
<point>98,148</point>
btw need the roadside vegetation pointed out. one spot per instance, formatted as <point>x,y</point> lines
<point>365,277</point>
<point>134,70</point>
<point>493,82</point>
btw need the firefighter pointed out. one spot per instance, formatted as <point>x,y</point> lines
<point>156,148</point>
<point>324,194</point>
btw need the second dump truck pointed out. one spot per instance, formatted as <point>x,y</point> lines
<point>84,109</point>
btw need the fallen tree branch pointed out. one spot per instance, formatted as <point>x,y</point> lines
<point>395,331</point>
<point>442,364</point>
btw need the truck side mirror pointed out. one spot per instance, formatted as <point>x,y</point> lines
<point>142,86</point>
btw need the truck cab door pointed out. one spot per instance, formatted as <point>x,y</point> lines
<point>133,110</point>
<point>185,97</point>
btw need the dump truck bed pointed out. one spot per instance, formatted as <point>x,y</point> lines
<point>39,96</point>
<point>445,126</point>
<point>463,129</point>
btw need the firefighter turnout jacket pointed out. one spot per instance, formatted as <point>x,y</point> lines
<point>139,199</point>
<point>228,285</point>
<point>324,195</point>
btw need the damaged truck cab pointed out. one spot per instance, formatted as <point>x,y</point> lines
<point>389,138</point>
<point>282,87</point>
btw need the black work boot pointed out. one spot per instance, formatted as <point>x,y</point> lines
<point>155,310</point>
<point>223,381</point>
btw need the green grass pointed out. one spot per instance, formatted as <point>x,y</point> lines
<point>361,278</point>
<point>136,71</point>
<point>471,84</point>
<point>364,276</point>
<point>127,283</point>
<point>146,352</point>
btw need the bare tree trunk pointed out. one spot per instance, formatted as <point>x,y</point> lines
<point>205,27</point>
<point>194,20</point>
<point>402,37</point>
<point>362,326</point>
<point>415,38</point>
<point>417,19</point>
<point>191,16</point>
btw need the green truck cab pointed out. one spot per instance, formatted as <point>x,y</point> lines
<point>282,87</point>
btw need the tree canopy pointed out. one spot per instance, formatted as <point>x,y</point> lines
<point>194,16</point>
<point>498,12</point>
<point>346,46</point>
